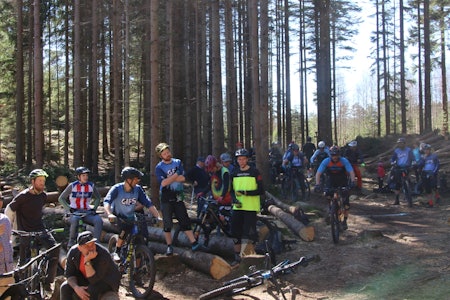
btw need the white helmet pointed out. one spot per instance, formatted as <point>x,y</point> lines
<point>321,144</point>
<point>353,143</point>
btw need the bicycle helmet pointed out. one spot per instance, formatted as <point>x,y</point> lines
<point>401,140</point>
<point>161,147</point>
<point>210,163</point>
<point>334,150</point>
<point>426,147</point>
<point>37,173</point>
<point>225,157</point>
<point>130,173</point>
<point>241,152</point>
<point>82,170</point>
<point>295,147</point>
<point>353,144</point>
<point>321,144</point>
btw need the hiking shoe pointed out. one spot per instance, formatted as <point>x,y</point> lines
<point>198,247</point>
<point>115,257</point>
<point>344,225</point>
<point>169,250</point>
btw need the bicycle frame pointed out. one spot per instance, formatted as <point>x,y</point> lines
<point>336,211</point>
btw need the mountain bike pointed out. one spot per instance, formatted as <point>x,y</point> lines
<point>82,225</point>
<point>336,210</point>
<point>402,174</point>
<point>293,180</point>
<point>136,258</point>
<point>257,278</point>
<point>30,278</point>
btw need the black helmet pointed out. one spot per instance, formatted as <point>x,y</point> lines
<point>334,150</point>
<point>82,170</point>
<point>130,173</point>
<point>241,152</point>
<point>37,173</point>
<point>295,147</point>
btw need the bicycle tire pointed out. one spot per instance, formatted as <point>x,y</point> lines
<point>307,193</point>
<point>42,275</point>
<point>142,278</point>
<point>334,222</point>
<point>197,230</point>
<point>407,192</point>
<point>112,243</point>
<point>226,289</point>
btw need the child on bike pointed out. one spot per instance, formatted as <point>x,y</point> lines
<point>339,170</point>
<point>121,202</point>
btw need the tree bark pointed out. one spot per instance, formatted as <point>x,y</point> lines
<point>306,233</point>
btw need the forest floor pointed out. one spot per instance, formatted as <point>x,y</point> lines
<point>388,252</point>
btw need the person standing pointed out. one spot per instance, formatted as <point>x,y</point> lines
<point>170,175</point>
<point>6,251</point>
<point>90,271</point>
<point>80,193</point>
<point>308,148</point>
<point>198,176</point>
<point>121,202</point>
<point>246,191</point>
<point>402,158</point>
<point>429,167</point>
<point>27,206</point>
<point>226,160</point>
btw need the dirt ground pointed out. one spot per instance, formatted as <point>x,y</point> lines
<point>388,252</point>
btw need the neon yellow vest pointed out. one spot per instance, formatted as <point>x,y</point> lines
<point>249,203</point>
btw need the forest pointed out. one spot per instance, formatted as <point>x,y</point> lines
<point>101,83</point>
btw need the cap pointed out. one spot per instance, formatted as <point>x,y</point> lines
<point>201,158</point>
<point>85,237</point>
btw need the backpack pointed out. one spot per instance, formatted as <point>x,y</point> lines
<point>274,238</point>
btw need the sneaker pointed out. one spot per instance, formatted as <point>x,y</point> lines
<point>198,247</point>
<point>115,257</point>
<point>169,251</point>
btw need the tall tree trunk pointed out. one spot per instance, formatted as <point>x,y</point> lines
<point>427,65</point>
<point>154,99</point>
<point>442,28</point>
<point>403,103</point>
<point>20,99</point>
<point>387,101</point>
<point>94,121</point>
<point>38,87</point>
<point>216,84</point>
<point>116,71</point>
<point>287,61</point>
<point>419,67</point>
<point>66,87</point>
<point>126,86</point>
<point>77,119</point>
<point>323,66</point>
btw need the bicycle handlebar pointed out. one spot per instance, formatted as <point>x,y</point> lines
<point>36,233</point>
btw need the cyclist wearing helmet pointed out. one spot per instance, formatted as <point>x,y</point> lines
<point>198,176</point>
<point>294,164</point>
<point>226,161</point>
<point>429,168</point>
<point>80,193</point>
<point>219,182</point>
<point>27,206</point>
<point>354,156</point>
<point>121,200</point>
<point>320,154</point>
<point>401,160</point>
<point>170,175</point>
<point>246,191</point>
<point>339,170</point>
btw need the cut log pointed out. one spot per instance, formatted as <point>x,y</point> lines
<point>206,263</point>
<point>306,233</point>
<point>61,182</point>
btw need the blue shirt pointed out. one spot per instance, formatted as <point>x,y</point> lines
<point>164,170</point>
<point>430,163</point>
<point>403,157</point>
<point>123,203</point>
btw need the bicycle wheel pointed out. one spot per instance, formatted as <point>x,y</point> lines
<point>229,289</point>
<point>197,230</point>
<point>112,243</point>
<point>142,272</point>
<point>42,275</point>
<point>307,193</point>
<point>407,192</point>
<point>334,222</point>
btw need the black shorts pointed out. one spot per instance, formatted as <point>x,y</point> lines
<point>178,209</point>
<point>243,225</point>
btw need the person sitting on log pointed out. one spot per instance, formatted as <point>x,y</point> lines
<point>120,204</point>
<point>80,194</point>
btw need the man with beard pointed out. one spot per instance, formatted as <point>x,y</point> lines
<point>170,175</point>
<point>27,207</point>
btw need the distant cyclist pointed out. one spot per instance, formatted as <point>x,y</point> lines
<point>227,161</point>
<point>402,159</point>
<point>339,172</point>
<point>308,148</point>
<point>319,155</point>
<point>429,168</point>
<point>294,164</point>
<point>355,157</point>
